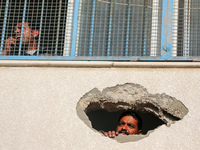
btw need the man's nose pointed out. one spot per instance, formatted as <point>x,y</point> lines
<point>17,31</point>
<point>124,127</point>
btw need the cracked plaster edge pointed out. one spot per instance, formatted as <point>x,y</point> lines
<point>165,111</point>
<point>83,104</point>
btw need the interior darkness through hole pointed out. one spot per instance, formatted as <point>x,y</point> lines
<point>107,121</point>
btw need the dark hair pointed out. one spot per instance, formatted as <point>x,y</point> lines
<point>134,115</point>
<point>34,25</point>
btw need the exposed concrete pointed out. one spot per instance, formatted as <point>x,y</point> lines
<point>131,96</point>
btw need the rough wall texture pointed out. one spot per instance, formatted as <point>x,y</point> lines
<point>38,107</point>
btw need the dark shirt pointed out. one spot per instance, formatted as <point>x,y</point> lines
<point>42,52</point>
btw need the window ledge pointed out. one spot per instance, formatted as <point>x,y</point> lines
<point>97,64</point>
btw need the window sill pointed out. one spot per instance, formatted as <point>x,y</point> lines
<point>97,64</point>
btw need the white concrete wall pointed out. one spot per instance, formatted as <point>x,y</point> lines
<point>38,104</point>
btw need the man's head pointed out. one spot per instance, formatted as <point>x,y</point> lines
<point>29,35</point>
<point>129,123</point>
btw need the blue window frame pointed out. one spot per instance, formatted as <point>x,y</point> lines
<point>104,29</point>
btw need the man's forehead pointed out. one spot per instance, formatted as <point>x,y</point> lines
<point>129,119</point>
<point>20,25</point>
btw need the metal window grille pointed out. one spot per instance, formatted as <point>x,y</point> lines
<point>187,34</point>
<point>47,17</point>
<point>102,29</point>
<point>118,28</point>
<point>194,29</point>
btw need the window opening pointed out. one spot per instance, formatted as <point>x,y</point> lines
<point>47,17</point>
<point>117,28</point>
<point>103,29</point>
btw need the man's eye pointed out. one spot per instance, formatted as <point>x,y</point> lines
<point>131,126</point>
<point>121,123</point>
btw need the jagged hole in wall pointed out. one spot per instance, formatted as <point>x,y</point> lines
<point>101,110</point>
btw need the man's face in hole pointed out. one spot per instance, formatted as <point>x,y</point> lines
<point>128,125</point>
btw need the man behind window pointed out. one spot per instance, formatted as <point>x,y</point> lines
<point>129,123</point>
<point>29,41</point>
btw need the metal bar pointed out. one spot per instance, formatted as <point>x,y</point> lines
<point>75,26</point>
<point>68,28</point>
<point>175,25</point>
<point>155,28</point>
<point>102,58</point>
<point>188,21</point>
<point>145,27</point>
<point>166,33</point>
<point>127,30</point>
<point>58,27</point>
<point>4,27</point>
<point>38,46</point>
<point>92,27</point>
<point>22,28</point>
<point>110,26</point>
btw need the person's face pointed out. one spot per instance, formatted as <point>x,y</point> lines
<point>27,33</point>
<point>128,125</point>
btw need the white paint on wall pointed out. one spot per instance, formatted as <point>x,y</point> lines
<point>38,107</point>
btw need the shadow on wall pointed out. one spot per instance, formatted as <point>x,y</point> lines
<point>101,110</point>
